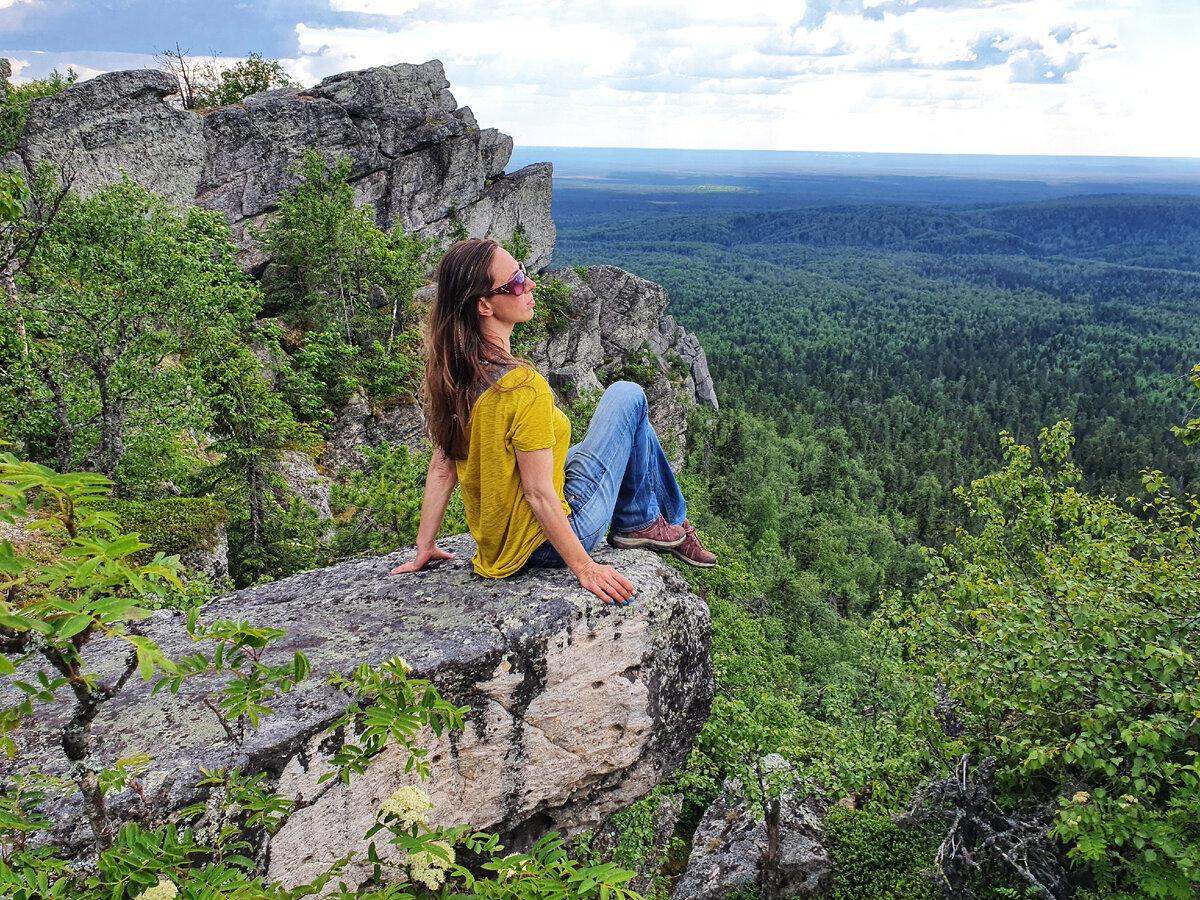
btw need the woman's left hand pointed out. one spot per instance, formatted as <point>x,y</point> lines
<point>606,583</point>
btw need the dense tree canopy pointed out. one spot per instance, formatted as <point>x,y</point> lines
<point>115,287</point>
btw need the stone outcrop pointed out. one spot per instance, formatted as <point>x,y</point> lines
<point>114,123</point>
<point>731,843</point>
<point>416,156</point>
<point>359,424</point>
<point>576,709</point>
<point>210,559</point>
<point>619,330</point>
<point>420,161</point>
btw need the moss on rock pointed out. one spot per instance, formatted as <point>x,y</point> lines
<point>174,525</point>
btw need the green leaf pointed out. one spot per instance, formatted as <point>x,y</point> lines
<point>74,626</point>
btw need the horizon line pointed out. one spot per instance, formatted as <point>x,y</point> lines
<point>1178,159</point>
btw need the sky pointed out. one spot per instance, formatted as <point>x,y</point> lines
<point>1074,77</point>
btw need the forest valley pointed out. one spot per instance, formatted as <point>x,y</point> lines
<point>1015,714</point>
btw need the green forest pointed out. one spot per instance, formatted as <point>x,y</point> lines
<point>949,437</point>
<point>951,487</point>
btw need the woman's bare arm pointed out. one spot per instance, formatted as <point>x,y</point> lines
<point>439,485</point>
<point>537,480</point>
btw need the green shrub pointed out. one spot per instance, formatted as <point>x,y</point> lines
<point>330,259</point>
<point>677,368</point>
<point>458,228</point>
<point>392,375</point>
<point>379,510</point>
<point>1073,623</point>
<point>15,107</point>
<point>239,81</point>
<point>635,825</point>
<point>580,412</point>
<point>873,859</point>
<point>640,368</point>
<point>749,891</point>
<point>519,245</point>
<point>324,369</point>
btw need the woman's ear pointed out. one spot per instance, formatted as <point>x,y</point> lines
<point>485,307</point>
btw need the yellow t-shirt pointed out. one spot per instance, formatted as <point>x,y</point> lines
<point>519,416</point>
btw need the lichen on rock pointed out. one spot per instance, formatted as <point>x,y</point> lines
<point>577,709</point>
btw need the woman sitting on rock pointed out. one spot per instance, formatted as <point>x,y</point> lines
<point>529,500</point>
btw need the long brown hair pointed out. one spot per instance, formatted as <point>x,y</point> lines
<point>458,359</point>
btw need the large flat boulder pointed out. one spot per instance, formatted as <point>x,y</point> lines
<point>577,709</point>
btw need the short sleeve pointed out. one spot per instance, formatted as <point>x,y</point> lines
<point>533,423</point>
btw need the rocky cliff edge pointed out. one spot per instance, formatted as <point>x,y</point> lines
<point>418,158</point>
<point>577,709</point>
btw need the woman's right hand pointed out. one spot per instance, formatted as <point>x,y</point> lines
<point>424,557</point>
<point>606,583</point>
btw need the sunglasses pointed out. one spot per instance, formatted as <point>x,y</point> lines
<point>519,284</point>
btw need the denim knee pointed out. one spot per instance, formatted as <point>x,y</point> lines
<point>627,393</point>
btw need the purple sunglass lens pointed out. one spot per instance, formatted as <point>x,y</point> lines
<point>516,286</point>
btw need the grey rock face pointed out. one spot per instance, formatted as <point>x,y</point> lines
<point>520,198</point>
<point>118,121</point>
<point>304,481</point>
<point>619,330</point>
<point>358,425</point>
<point>211,561</point>
<point>415,154</point>
<point>577,709</point>
<point>730,845</point>
<point>670,338</point>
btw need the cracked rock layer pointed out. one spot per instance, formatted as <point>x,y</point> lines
<point>577,709</point>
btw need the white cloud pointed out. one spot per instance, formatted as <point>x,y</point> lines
<point>1036,67</point>
<point>920,75</point>
<point>1028,76</point>
<point>374,7</point>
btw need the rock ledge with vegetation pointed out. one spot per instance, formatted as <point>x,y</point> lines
<point>577,709</point>
<point>418,159</point>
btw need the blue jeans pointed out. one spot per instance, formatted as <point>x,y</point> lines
<point>617,475</point>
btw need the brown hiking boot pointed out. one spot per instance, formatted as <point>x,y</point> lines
<point>658,535</point>
<point>691,551</point>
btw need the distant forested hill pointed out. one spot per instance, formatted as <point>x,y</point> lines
<point>925,330</point>
<point>870,336</point>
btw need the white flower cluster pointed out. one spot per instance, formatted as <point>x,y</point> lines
<point>408,805</point>
<point>164,890</point>
<point>428,868</point>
